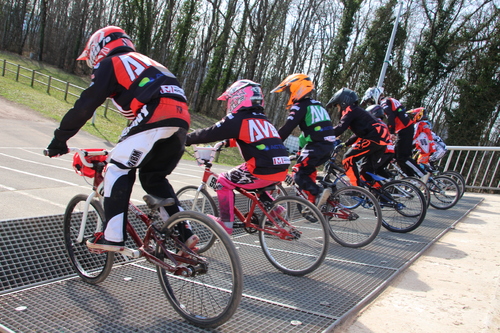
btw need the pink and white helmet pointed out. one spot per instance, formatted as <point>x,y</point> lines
<point>242,94</point>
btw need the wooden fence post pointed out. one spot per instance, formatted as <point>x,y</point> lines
<point>4,64</point>
<point>48,84</point>
<point>17,74</point>
<point>66,91</point>
<point>33,78</point>
<point>106,108</point>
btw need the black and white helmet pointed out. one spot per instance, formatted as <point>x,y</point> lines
<point>373,95</point>
<point>343,97</point>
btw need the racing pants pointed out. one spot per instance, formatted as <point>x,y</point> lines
<point>311,156</point>
<point>154,153</point>
<point>237,177</point>
<point>369,153</point>
<point>404,148</point>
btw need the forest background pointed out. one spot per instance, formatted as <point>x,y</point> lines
<point>446,54</point>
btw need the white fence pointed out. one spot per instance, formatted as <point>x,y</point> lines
<point>480,166</point>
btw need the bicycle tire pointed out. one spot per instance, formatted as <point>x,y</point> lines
<point>445,192</point>
<point>211,298</point>
<point>406,209</point>
<point>193,199</point>
<point>422,187</point>
<point>304,253</point>
<point>456,176</point>
<point>354,216</point>
<point>92,268</point>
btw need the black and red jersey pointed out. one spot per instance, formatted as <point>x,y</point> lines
<point>132,80</point>
<point>397,118</point>
<point>257,139</point>
<point>363,125</point>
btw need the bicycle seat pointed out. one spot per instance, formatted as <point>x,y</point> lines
<point>155,202</point>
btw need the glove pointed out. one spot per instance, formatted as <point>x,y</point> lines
<point>56,148</point>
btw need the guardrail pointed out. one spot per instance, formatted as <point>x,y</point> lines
<point>480,166</point>
<point>69,91</point>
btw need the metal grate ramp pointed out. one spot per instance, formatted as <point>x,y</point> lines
<point>39,293</point>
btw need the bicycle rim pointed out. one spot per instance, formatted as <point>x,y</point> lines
<point>92,268</point>
<point>456,176</point>
<point>422,187</point>
<point>306,249</point>
<point>445,192</point>
<point>406,208</point>
<point>199,201</point>
<point>211,298</point>
<point>354,216</point>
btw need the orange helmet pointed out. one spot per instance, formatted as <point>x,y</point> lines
<point>417,114</point>
<point>299,85</point>
<point>102,42</point>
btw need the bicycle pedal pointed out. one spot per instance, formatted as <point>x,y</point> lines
<point>97,251</point>
<point>134,253</point>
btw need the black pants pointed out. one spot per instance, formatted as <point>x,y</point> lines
<point>366,151</point>
<point>403,149</point>
<point>311,156</point>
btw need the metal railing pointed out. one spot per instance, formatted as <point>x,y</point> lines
<point>480,166</point>
<point>70,92</point>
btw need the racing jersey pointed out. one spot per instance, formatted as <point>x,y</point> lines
<point>313,120</point>
<point>423,139</point>
<point>363,125</point>
<point>257,139</point>
<point>397,118</point>
<point>133,81</point>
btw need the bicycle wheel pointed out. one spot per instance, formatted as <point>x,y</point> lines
<point>445,192</point>
<point>456,176</point>
<point>211,295</point>
<point>199,201</point>
<point>403,206</point>
<point>422,187</point>
<point>306,249</point>
<point>92,268</point>
<point>354,216</point>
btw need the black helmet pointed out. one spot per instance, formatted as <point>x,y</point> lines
<point>376,111</point>
<point>344,97</point>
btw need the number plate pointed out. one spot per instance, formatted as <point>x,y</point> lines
<point>212,182</point>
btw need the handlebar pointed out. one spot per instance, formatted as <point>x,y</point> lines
<point>219,145</point>
<point>206,155</point>
<point>83,153</point>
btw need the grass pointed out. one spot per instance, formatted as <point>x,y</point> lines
<point>107,125</point>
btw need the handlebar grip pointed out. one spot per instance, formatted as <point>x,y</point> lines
<point>52,152</point>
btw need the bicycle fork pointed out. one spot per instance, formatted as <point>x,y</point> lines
<point>81,232</point>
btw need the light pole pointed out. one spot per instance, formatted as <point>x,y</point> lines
<point>389,49</point>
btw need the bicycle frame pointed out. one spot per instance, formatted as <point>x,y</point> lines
<point>151,233</point>
<point>209,178</point>
<point>282,232</point>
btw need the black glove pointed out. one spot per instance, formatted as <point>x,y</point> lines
<point>56,148</point>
